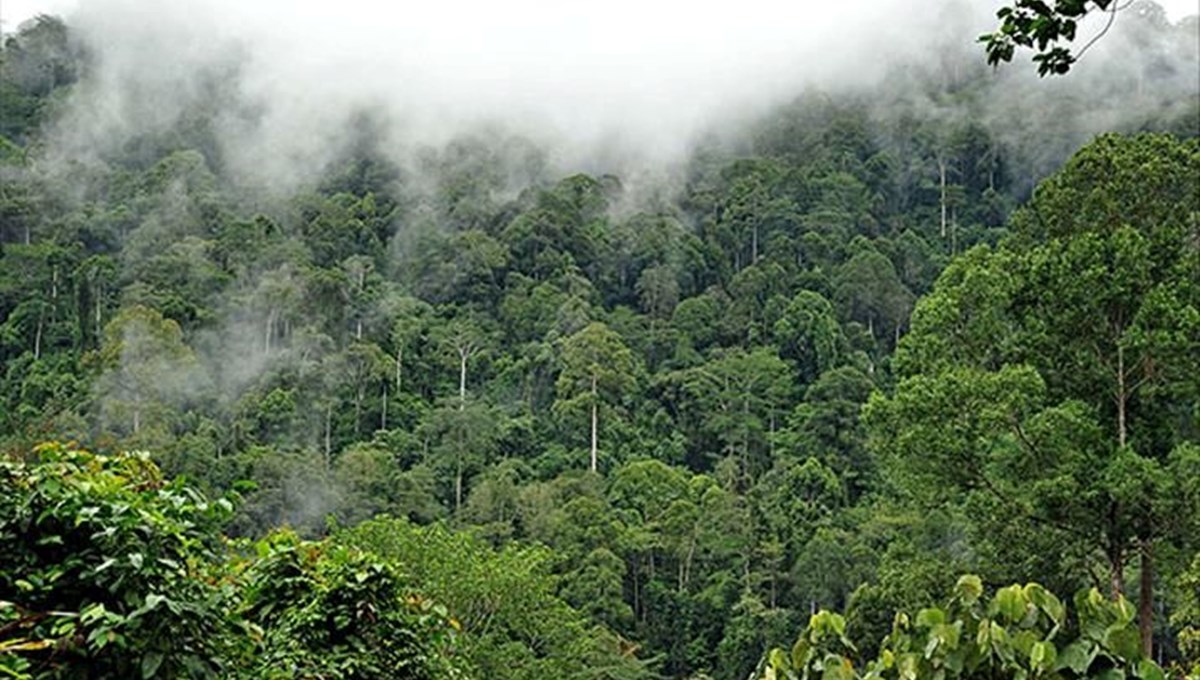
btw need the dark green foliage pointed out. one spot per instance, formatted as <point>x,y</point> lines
<point>1047,28</point>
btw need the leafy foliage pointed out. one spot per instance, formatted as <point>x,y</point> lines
<point>106,566</point>
<point>1020,632</point>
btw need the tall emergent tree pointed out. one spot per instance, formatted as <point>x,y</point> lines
<point>1051,385</point>
<point>596,364</point>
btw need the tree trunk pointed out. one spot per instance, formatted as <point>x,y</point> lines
<point>595,420</point>
<point>359,396</point>
<point>54,294</point>
<point>37,339</point>
<point>458,483</point>
<point>383,408</point>
<point>687,562</point>
<point>328,437</point>
<point>99,317</point>
<point>1116,575</point>
<point>270,330</point>
<point>754,244</point>
<point>462,379</point>
<point>1122,396</point>
<point>399,364</point>
<point>942,183</point>
<point>746,436</point>
<point>1146,598</point>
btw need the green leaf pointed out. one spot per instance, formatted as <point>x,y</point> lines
<point>1042,656</point>
<point>928,618</point>
<point>800,653</point>
<point>969,588</point>
<point>1076,657</point>
<point>1123,641</point>
<point>1010,602</point>
<point>837,668</point>
<point>1148,670</point>
<point>778,659</point>
<point>151,662</point>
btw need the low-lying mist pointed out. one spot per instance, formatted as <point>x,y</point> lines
<point>626,87</point>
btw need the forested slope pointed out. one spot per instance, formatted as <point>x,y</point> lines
<point>648,394</point>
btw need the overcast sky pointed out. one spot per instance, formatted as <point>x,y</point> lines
<point>648,73</point>
<point>15,11</point>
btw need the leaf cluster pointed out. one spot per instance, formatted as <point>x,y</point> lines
<point>1020,632</point>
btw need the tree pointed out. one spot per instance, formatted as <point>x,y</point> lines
<point>808,334</point>
<point>147,369</point>
<point>868,290</point>
<point>462,338</point>
<point>737,398</point>
<point>514,623</point>
<point>464,438</point>
<point>1050,379</point>
<point>597,367</point>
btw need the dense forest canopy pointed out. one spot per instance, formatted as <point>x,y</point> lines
<point>339,397</point>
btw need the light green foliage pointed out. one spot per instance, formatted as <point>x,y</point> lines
<point>109,569</point>
<point>331,611</point>
<point>1187,616</point>
<point>149,372</point>
<point>514,625</point>
<point>106,566</point>
<point>1020,632</point>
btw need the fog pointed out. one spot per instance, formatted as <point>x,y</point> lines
<point>620,87</point>
<point>626,78</point>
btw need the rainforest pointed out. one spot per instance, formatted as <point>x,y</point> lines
<point>535,345</point>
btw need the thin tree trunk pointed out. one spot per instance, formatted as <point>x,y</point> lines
<point>270,330</point>
<point>754,245</point>
<point>400,362</point>
<point>594,423</point>
<point>1146,598</point>
<point>691,554</point>
<point>1122,396</point>
<point>383,409</point>
<point>99,317</point>
<point>328,437</point>
<point>458,483</point>
<point>54,294</point>
<point>746,436</point>
<point>942,182</point>
<point>1116,575</point>
<point>359,396</point>
<point>462,379</point>
<point>37,339</point>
